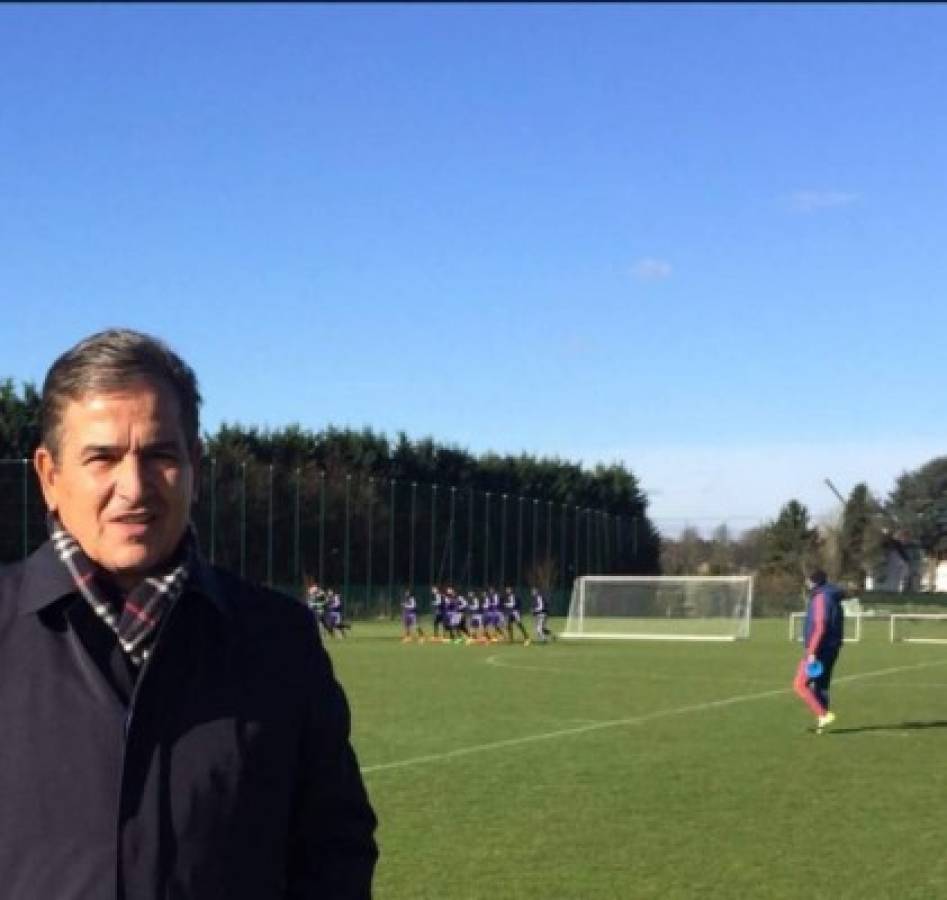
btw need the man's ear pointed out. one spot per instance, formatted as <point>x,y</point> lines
<point>46,471</point>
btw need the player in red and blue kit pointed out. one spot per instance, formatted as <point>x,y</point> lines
<point>823,637</point>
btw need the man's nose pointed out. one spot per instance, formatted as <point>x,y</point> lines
<point>131,479</point>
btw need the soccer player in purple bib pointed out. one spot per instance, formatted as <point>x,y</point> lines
<point>497,621</point>
<point>437,612</point>
<point>454,606</point>
<point>486,614</point>
<point>476,617</point>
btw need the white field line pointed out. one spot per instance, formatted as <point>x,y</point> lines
<point>495,661</point>
<point>501,663</point>
<point>630,721</point>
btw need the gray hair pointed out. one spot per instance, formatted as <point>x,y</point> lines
<point>109,361</point>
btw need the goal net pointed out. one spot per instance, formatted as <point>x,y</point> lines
<point>676,608</point>
<point>851,609</point>
<point>919,628</point>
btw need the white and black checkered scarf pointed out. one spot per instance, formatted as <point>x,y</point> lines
<point>141,610</point>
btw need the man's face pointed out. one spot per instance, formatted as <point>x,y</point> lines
<point>124,478</point>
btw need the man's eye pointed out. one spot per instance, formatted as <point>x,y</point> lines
<point>166,457</point>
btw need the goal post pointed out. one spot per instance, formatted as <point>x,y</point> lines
<point>851,609</point>
<point>666,607</point>
<point>919,628</point>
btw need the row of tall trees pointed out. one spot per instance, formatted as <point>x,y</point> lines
<point>358,506</point>
<point>19,419</point>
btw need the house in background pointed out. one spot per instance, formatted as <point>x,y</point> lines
<point>894,573</point>
<point>934,577</point>
<point>905,567</point>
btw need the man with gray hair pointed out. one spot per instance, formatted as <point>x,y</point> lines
<point>169,730</point>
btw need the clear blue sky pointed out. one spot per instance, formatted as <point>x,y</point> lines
<point>708,241</point>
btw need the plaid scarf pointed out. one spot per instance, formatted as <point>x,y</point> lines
<point>135,621</point>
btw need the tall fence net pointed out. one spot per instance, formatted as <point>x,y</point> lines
<point>369,538</point>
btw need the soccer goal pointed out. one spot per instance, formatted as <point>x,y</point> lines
<point>851,609</point>
<point>670,608</point>
<point>919,628</point>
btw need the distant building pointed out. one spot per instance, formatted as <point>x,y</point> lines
<point>936,579</point>
<point>905,567</point>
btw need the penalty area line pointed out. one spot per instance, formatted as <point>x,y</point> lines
<point>496,661</point>
<point>628,722</point>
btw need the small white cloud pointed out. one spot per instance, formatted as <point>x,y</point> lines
<point>813,201</point>
<point>651,269</point>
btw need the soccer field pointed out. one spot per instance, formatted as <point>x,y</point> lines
<point>640,769</point>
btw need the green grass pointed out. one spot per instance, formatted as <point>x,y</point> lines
<point>640,769</point>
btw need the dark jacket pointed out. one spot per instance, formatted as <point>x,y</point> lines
<point>825,620</point>
<point>224,771</point>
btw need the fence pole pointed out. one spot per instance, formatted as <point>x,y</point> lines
<point>368,563</point>
<point>606,540</point>
<point>575,555</point>
<point>322,528</point>
<point>414,509</point>
<point>562,546</point>
<point>470,539</point>
<point>391,552</point>
<point>535,534</point>
<point>345,559</point>
<point>590,560</point>
<point>433,519</point>
<point>503,540</point>
<point>486,540</point>
<point>603,525</point>
<point>618,548</point>
<point>548,531</point>
<point>596,541</point>
<point>269,534</point>
<point>243,518</point>
<point>450,536</point>
<point>296,537</point>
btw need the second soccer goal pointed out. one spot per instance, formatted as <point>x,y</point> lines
<point>674,608</point>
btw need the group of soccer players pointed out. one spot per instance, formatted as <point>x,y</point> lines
<point>327,605</point>
<point>477,618</point>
